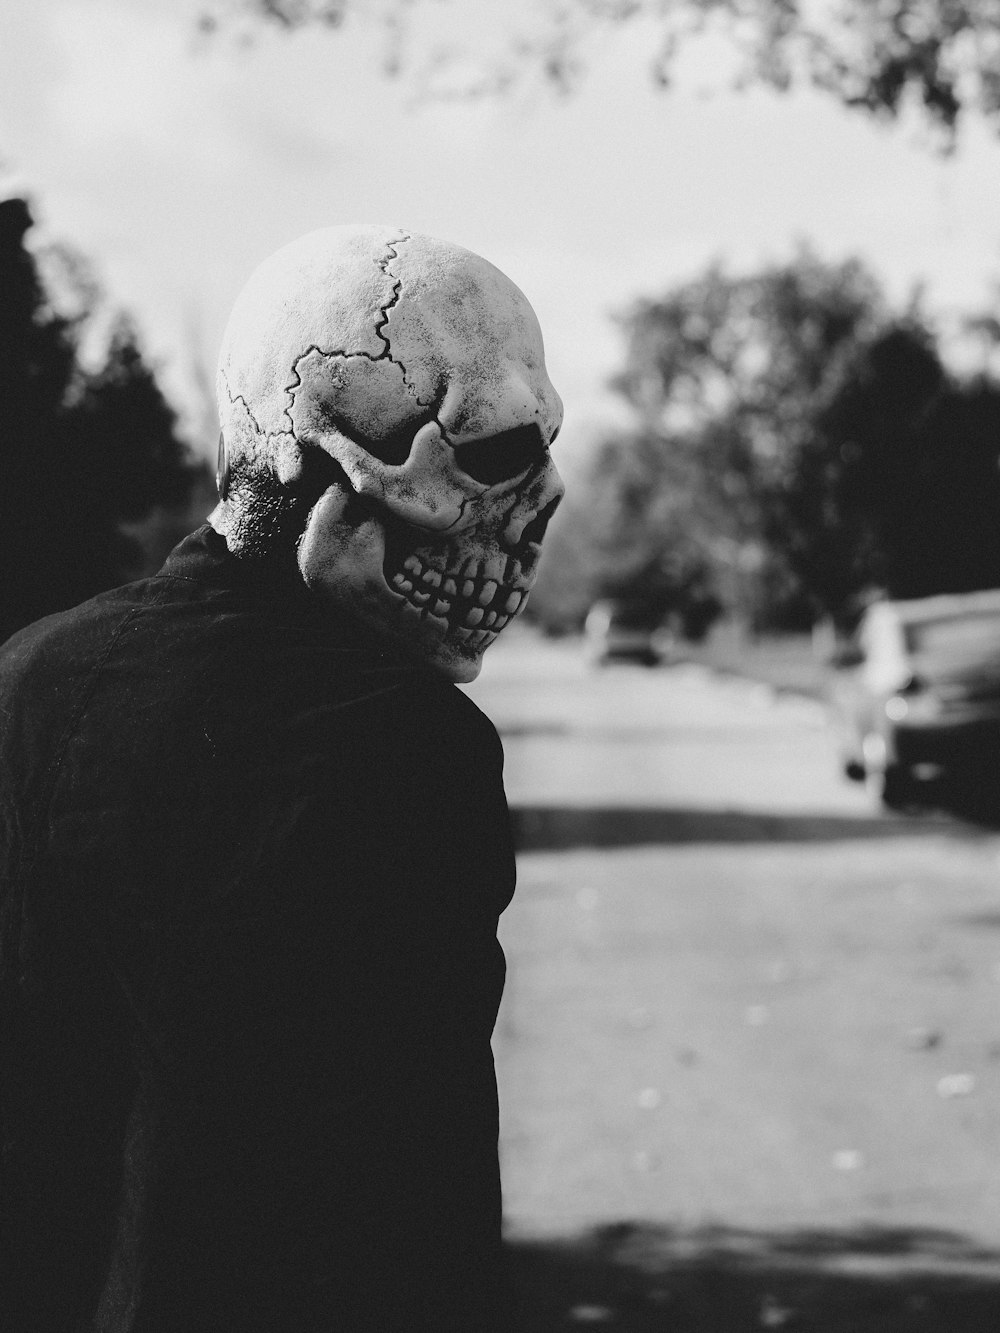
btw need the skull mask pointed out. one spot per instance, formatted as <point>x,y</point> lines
<point>407,375</point>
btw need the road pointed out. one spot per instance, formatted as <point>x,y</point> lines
<point>739,998</point>
<point>631,738</point>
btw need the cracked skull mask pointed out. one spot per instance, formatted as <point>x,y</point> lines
<point>407,375</point>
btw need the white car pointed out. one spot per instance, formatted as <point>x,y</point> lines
<point>915,694</point>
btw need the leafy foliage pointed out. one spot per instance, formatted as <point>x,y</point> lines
<point>84,450</point>
<point>916,480</point>
<point>943,55</point>
<point>796,445</point>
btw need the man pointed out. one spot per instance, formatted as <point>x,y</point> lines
<point>255,843</point>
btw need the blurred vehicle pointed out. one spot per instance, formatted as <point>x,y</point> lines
<point>618,630</point>
<point>915,694</point>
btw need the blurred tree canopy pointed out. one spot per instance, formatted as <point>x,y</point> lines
<point>874,54</point>
<point>796,444</point>
<point>85,450</point>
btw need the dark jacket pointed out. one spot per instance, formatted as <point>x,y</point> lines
<point>251,865</point>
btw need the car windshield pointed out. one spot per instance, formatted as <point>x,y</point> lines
<point>957,641</point>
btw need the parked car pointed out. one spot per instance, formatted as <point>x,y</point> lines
<point>915,694</point>
<point>618,630</point>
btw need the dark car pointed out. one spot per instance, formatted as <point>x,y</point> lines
<point>618,630</point>
<point>915,694</point>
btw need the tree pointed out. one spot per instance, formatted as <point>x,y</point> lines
<point>84,450</point>
<point>625,533</point>
<point>728,375</point>
<point>916,477</point>
<point>877,55</point>
<point>796,444</point>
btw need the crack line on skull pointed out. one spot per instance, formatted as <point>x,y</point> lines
<point>238,398</point>
<point>463,505</point>
<point>381,323</point>
<point>397,290</point>
<point>386,312</point>
<point>341,353</point>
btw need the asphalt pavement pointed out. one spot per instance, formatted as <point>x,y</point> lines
<point>747,1013</point>
<point>628,736</point>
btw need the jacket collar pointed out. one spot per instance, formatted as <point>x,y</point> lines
<point>203,557</point>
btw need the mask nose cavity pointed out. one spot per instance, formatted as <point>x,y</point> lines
<point>531,535</point>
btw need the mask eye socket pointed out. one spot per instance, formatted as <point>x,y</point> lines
<point>502,456</point>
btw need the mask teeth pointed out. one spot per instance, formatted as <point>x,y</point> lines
<point>476,608</point>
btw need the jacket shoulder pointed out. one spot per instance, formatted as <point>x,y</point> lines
<point>64,644</point>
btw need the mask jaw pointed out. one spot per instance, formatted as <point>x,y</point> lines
<point>427,597</point>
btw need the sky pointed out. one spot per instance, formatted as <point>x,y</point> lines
<point>176,164</point>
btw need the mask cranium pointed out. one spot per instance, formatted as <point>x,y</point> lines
<point>418,369</point>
